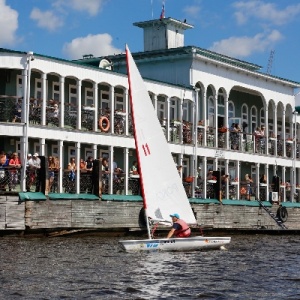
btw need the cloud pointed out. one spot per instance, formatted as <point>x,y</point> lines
<point>8,25</point>
<point>98,45</point>
<point>192,11</point>
<point>90,6</point>
<point>46,19</point>
<point>245,46</point>
<point>265,12</point>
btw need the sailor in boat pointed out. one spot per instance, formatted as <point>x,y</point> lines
<point>180,228</point>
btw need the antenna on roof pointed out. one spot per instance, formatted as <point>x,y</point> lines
<point>270,62</point>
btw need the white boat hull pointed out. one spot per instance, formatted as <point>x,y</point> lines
<point>175,244</point>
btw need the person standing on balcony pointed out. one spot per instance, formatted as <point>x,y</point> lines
<point>36,163</point>
<point>249,183</point>
<point>15,165</point>
<point>4,161</point>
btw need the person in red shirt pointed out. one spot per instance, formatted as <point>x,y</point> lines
<point>180,228</point>
<point>14,166</point>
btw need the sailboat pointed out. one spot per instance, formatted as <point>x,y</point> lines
<point>161,186</point>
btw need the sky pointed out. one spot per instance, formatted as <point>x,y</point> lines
<point>263,32</point>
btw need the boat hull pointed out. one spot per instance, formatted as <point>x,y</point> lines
<point>175,244</point>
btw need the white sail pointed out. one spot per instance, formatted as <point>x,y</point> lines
<point>162,187</point>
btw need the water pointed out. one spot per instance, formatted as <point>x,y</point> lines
<point>253,267</point>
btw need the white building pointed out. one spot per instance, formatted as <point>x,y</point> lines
<point>198,95</point>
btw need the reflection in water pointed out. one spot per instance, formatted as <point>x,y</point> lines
<point>253,267</point>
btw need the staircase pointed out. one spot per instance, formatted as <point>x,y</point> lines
<point>272,215</point>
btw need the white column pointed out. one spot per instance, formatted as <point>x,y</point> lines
<point>79,85</point>
<point>44,98</point>
<point>126,169</point>
<point>96,117</point>
<point>283,180</point>
<point>204,166</point>
<point>216,122</point>
<point>204,117</point>
<point>267,129</point>
<point>78,146</point>
<point>268,181</point>
<point>227,181</point>
<point>61,161</point>
<point>226,124</point>
<point>283,135</point>
<point>127,110</point>
<point>257,181</point>
<point>168,119</point>
<point>62,101</point>
<point>112,108</point>
<point>24,139</point>
<point>238,175</point>
<point>111,169</point>
<point>42,142</point>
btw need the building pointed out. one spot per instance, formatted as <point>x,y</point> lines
<point>217,112</point>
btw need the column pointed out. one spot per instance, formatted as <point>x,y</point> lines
<point>62,101</point>
<point>79,84</point>
<point>284,189</point>
<point>204,163</point>
<point>204,117</point>
<point>267,129</point>
<point>227,181</point>
<point>61,162</point>
<point>268,181</point>
<point>44,98</point>
<point>112,108</point>
<point>78,146</point>
<point>168,120</point>
<point>126,169</point>
<point>111,169</point>
<point>257,181</point>
<point>127,110</point>
<point>42,142</point>
<point>96,117</point>
<point>283,135</point>
<point>238,175</point>
<point>215,125</point>
<point>227,125</point>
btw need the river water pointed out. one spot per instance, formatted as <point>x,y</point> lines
<point>93,267</point>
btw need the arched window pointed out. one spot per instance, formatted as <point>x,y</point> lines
<point>231,110</point>
<point>254,122</point>
<point>245,116</point>
<point>211,111</point>
<point>262,117</point>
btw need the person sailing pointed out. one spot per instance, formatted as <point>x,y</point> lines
<point>180,228</point>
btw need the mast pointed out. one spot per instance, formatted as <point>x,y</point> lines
<point>136,142</point>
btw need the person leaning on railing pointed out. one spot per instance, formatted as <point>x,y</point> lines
<point>3,171</point>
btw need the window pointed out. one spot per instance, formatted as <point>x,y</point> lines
<point>73,95</point>
<point>54,151</point>
<point>161,108</point>
<point>38,89</point>
<point>173,109</point>
<point>55,91</point>
<point>119,102</point>
<point>245,116</point>
<point>231,110</point>
<point>262,117</point>
<point>19,87</point>
<point>254,122</point>
<point>105,100</point>
<point>89,97</point>
<point>211,111</point>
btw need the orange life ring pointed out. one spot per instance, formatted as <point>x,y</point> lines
<point>104,124</point>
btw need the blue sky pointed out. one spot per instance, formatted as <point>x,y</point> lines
<point>247,29</point>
